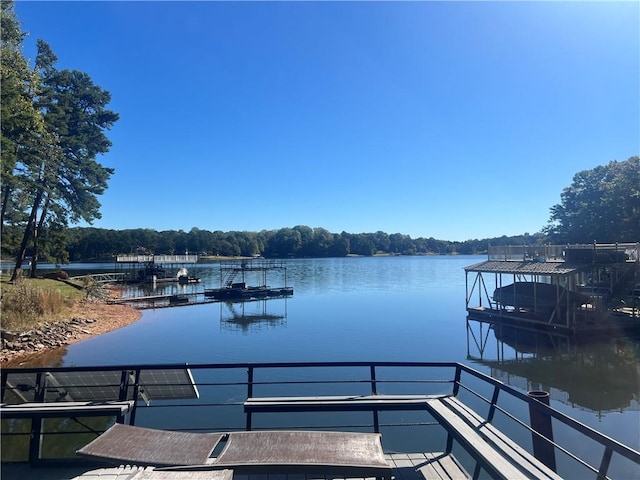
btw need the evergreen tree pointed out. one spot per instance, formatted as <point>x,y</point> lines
<point>53,130</point>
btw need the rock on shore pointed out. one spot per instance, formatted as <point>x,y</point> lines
<point>88,319</point>
<point>48,335</point>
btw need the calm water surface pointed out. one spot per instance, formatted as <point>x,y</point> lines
<point>383,308</point>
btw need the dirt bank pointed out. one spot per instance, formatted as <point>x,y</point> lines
<point>86,320</point>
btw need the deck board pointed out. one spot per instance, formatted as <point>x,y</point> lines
<point>426,466</point>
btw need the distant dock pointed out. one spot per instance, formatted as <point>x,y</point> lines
<point>186,299</point>
<point>234,286</point>
<point>158,268</point>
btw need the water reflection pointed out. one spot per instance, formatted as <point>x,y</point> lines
<point>597,373</point>
<point>249,316</point>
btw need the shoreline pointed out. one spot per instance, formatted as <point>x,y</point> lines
<point>87,320</point>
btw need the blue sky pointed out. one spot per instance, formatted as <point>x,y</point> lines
<point>433,119</point>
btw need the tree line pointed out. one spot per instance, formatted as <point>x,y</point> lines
<point>99,244</point>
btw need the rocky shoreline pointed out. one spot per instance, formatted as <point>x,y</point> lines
<point>46,336</point>
<point>87,320</point>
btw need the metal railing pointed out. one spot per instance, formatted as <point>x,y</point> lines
<point>111,277</point>
<point>581,253</point>
<point>225,387</point>
<point>159,259</point>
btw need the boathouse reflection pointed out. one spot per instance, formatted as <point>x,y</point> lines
<point>599,373</point>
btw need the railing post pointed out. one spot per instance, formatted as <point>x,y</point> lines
<point>36,422</point>
<point>249,395</point>
<point>136,393</point>
<point>3,375</point>
<point>543,448</point>
<point>250,382</point>
<point>374,386</point>
<point>494,401</point>
<point>604,464</point>
<point>374,391</point>
<point>456,380</point>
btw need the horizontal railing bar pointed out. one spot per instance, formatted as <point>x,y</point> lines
<point>194,405</point>
<point>215,366</point>
<point>616,446</point>
<point>336,382</point>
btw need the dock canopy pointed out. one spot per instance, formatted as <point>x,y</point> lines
<point>525,267</point>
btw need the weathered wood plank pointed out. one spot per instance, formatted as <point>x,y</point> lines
<point>403,467</point>
<point>278,451</point>
<point>152,474</point>
<point>147,446</point>
<point>512,449</point>
<point>445,466</point>
<point>308,451</point>
<point>351,402</point>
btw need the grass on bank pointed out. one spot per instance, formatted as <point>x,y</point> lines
<point>29,302</point>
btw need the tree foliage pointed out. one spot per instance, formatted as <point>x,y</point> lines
<point>53,124</point>
<point>601,205</point>
<point>22,125</point>
<point>99,244</point>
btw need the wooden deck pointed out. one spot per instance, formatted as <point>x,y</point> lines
<point>435,466</point>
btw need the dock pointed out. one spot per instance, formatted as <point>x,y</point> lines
<point>234,283</point>
<point>573,288</point>
<point>236,275</point>
<point>149,268</point>
<point>192,298</point>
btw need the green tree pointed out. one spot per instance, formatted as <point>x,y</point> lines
<point>341,246</point>
<point>59,176</point>
<point>22,126</point>
<point>321,243</point>
<point>286,242</point>
<point>602,204</point>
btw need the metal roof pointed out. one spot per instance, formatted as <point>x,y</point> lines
<point>524,267</point>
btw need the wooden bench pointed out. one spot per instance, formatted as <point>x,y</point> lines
<point>496,453</point>
<point>65,409</point>
<point>345,454</point>
<point>338,403</point>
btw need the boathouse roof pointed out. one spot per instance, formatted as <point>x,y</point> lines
<point>524,267</point>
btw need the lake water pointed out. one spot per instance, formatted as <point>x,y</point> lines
<point>383,309</point>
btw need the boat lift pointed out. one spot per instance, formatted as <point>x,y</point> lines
<point>596,272</point>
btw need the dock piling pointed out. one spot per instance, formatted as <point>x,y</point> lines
<point>543,448</point>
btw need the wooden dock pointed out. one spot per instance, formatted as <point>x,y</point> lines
<point>178,300</point>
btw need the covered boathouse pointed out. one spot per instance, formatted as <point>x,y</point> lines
<point>574,288</point>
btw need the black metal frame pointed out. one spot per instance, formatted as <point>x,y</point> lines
<point>131,373</point>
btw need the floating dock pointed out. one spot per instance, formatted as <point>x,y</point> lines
<point>232,289</point>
